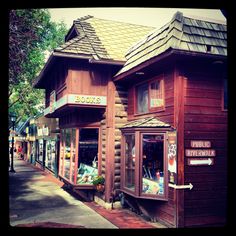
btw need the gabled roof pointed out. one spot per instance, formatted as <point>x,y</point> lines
<point>181,33</point>
<point>102,39</point>
<point>150,122</point>
<point>98,41</point>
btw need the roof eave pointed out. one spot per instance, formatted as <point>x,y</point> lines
<point>36,83</point>
<point>169,52</point>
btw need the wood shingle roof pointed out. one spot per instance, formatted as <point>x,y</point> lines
<point>102,39</point>
<point>149,122</point>
<point>181,33</point>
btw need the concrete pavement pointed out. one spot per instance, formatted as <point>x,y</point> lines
<point>36,199</point>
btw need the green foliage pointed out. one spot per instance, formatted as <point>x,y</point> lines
<point>31,33</point>
<point>98,180</point>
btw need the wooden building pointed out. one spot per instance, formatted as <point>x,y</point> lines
<point>153,123</point>
<point>179,73</point>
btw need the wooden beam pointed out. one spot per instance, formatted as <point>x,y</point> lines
<point>179,96</point>
<point>110,140</point>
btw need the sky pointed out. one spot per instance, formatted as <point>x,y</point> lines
<point>155,17</point>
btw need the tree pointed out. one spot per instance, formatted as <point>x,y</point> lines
<point>31,33</point>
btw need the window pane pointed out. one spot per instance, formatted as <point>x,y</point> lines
<point>67,153</point>
<point>88,156</point>
<point>152,165</point>
<point>40,158</point>
<point>142,98</point>
<point>130,161</point>
<point>62,148</point>
<point>156,96</point>
<point>73,154</point>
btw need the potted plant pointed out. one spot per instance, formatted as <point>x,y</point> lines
<point>98,182</point>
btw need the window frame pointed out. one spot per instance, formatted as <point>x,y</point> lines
<point>160,79</point>
<point>70,180</point>
<point>138,162</point>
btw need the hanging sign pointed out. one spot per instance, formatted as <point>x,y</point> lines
<point>172,157</point>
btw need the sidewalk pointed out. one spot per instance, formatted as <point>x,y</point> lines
<point>37,200</point>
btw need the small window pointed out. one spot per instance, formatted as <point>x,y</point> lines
<point>156,96</point>
<point>142,98</point>
<point>150,96</point>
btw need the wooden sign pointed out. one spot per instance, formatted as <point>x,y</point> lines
<point>200,144</point>
<point>87,99</point>
<point>200,161</point>
<point>200,152</point>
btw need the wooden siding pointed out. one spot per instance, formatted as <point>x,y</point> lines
<point>88,81</point>
<point>205,204</point>
<point>121,100</point>
<point>163,211</point>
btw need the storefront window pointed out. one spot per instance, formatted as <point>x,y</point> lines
<point>152,164</point>
<point>144,163</point>
<point>62,148</point>
<point>67,153</point>
<point>50,155</point>
<point>88,155</point>
<point>40,157</point>
<point>73,154</point>
<point>129,162</point>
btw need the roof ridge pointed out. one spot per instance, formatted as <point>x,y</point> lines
<point>124,22</point>
<point>85,32</point>
<point>83,18</point>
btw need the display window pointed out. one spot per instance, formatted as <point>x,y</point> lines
<point>40,152</point>
<point>144,164</point>
<point>88,156</point>
<point>129,174</point>
<point>50,159</point>
<point>79,155</point>
<point>152,164</point>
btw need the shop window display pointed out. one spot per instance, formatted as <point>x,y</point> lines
<point>67,153</point>
<point>50,154</point>
<point>88,156</point>
<point>152,164</point>
<point>40,156</point>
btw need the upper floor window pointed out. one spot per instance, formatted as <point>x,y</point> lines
<point>150,96</point>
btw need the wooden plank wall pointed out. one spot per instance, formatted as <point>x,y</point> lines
<point>205,204</point>
<point>163,211</point>
<point>121,100</point>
